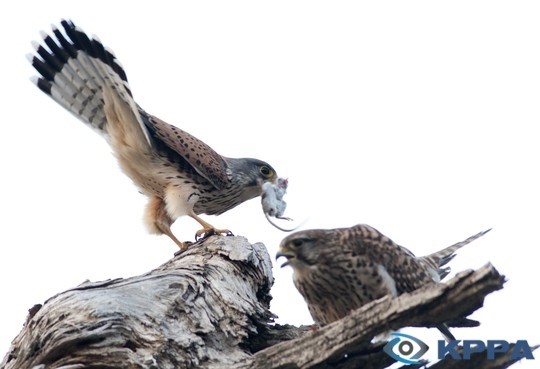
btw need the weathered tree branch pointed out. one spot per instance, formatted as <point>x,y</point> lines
<point>345,343</point>
<point>208,308</point>
<point>203,306</point>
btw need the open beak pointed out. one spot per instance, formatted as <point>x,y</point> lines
<point>285,255</point>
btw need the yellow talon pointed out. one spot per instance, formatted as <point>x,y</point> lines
<point>207,232</point>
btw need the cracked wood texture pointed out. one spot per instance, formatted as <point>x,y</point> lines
<point>208,307</point>
<point>345,344</point>
<point>202,306</point>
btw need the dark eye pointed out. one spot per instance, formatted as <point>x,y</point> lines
<point>265,171</point>
<point>297,243</point>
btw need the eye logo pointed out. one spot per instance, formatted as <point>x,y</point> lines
<point>401,348</point>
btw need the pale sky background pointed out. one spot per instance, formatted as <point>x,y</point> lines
<point>420,118</point>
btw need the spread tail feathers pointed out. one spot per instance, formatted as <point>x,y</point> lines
<point>74,71</point>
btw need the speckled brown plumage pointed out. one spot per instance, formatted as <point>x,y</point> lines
<point>179,173</point>
<point>339,270</point>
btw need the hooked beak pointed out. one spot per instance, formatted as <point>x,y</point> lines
<point>285,255</point>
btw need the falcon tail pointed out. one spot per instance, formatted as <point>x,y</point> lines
<point>75,69</point>
<point>442,257</point>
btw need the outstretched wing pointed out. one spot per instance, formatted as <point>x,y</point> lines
<point>76,69</point>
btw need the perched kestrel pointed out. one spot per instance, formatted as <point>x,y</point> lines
<point>340,270</point>
<point>179,173</point>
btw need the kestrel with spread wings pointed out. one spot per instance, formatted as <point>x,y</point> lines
<point>340,270</point>
<point>179,173</point>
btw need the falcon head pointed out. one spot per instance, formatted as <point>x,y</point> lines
<point>246,176</point>
<point>303,249</point>
<point>251,172</point>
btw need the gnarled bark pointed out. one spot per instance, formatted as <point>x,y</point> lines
<point>346,343</point>
<point>200,307</point>
<point>208,307</point>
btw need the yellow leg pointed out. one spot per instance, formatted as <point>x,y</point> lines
<point>159,222</point>
<point>208,229</point>
<point>180,244</point>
